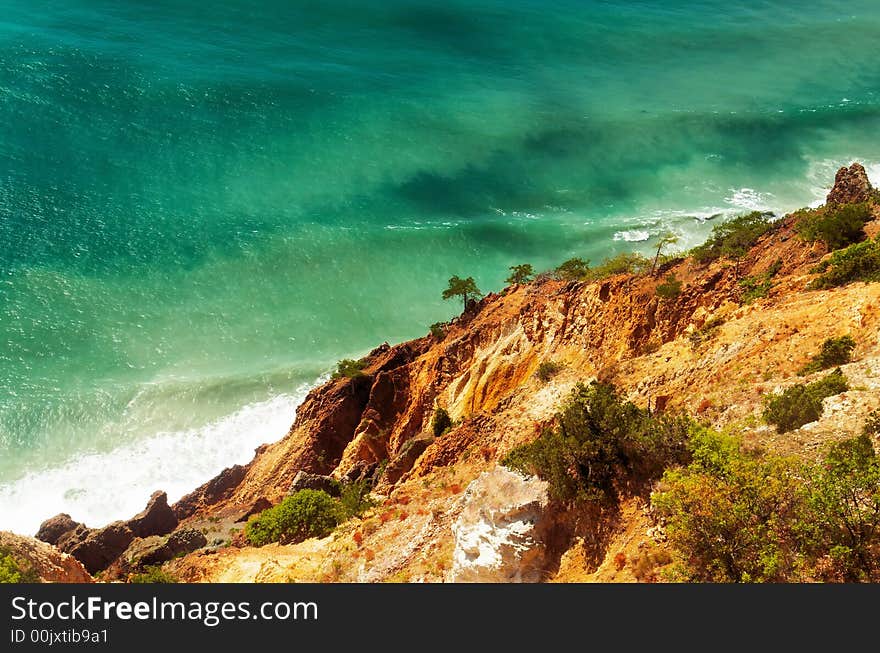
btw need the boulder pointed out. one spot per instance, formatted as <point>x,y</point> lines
<point>502,530</point>
<point>851,185</point>
<point>156,519</point>
<point>306,481</point>
<point>53,528</point>
<point>102,546</point>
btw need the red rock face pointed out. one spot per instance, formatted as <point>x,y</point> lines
<point>851,185</point>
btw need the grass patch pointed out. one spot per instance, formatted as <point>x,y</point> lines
<point>757,286</point>
<point>574,269</point>
<point>623,263</point>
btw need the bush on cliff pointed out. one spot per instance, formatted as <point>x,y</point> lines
<point>836,226</point>
<point>308,513</point>
<point>834,352</point>
<point>623,263</point>
<point>354,498</point>
<point>842,528</point>
<point>521,273</point>
<point>669,289</point>
<point>801,404</point>
<point>734,238</point>
<point>348,369</point>
<point>547,370</point>
<point>600,443</point>
<point>440,422</point>
<point>728,514</point>
<point>15,570</point>
<point>574,269</point>
<point>859,262</point>
<point>742,516</point>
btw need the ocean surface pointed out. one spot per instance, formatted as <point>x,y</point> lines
<point>204,206</point>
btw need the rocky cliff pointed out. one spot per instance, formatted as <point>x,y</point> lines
<point>705,351</point>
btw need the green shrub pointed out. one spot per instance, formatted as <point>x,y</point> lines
<point>859,262</point>
<point>705,333</point>
<point>836,226</point>
<point>601,441</point>
<point>774,269</point>
<point>354,498</point>
<point>623,263</point>
<point>843,511</point>
<point>349,369</point>
<point>801,404</point>
<point>872,423</point>
<point>153,574</point>
<point>729,513</point>
<point>754,288</point>
<point>440,422</point>
<point>669,289</point>
<point>835,351</point>
<point>521,273</point>
<point>574,269</point>
<point>738,516</point>
<point>734,238</point>
<point>308,513</point>
<point>15,570</point>
<point>548,369</point>
<point>438,330</point>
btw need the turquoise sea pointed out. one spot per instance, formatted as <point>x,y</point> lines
<point>204,205</point>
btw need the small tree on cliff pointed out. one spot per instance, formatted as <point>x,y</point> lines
<point>464,288</point>
<point>520,273</point>
<point>666,238</point>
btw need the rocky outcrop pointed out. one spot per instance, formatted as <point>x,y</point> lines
<point>50,564</point>
<point>851,185</point>
<point>406,458</point>
<point>97,548</point>
<point>306,481</point>
<point>101,546</point>
<point>217,489</point>
<point>55,527</point>
<point>501,533</point>
<point>156,549</point>
<point>156,519</point>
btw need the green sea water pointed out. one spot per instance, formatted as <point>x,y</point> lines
<point>204,206</point>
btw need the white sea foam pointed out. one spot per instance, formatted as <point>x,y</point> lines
<point>750,199</point>
<point>632,235</point>
<point>97,488</point>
